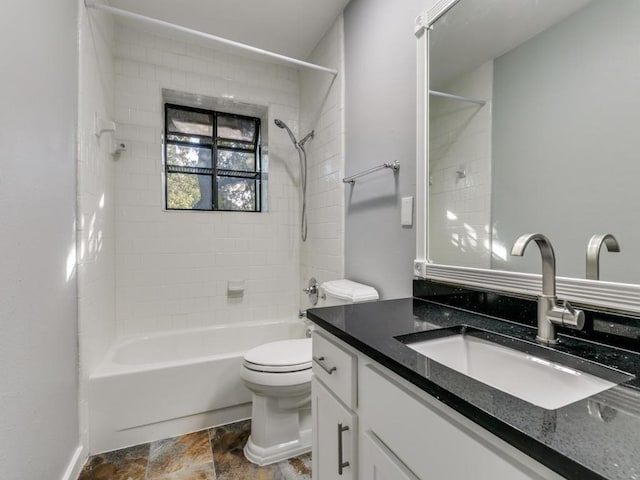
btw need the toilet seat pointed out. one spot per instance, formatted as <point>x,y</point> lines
<point>286,363</point>
<point>285,356</point>
<point>277,369</point>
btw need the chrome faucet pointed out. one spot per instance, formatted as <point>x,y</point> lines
<point>593,253</point>
<point>550,312</point>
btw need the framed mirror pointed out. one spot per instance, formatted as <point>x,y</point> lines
<point>530,115</point>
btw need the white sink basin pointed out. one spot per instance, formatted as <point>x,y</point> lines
<point>541,376</point>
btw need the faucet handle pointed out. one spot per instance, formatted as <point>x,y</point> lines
<point>312,291</point>
<point>572,317</point>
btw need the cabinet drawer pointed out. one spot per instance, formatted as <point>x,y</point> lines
<point>336,368</point>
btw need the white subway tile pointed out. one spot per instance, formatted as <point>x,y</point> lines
<point>195,254</point>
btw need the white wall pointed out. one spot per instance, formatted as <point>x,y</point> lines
<point>380,113</point>
<point>96,179</point>
<point>172,268</point>
<point>322,110</point>
<point>460,140</point>
<point>38,350</point>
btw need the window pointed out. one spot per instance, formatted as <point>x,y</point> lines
<point>212,160</point>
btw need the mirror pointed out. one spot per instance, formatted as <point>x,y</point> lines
<point>545,139</point>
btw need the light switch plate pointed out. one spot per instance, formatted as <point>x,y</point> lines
<point>406,212</point>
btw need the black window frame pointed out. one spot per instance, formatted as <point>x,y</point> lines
<point>214,172</point>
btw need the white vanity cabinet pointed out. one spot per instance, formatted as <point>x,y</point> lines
<point>335,426</point>
<point>396,431</point>
<point>335,431</point>
<point>431,440</point>
<point>380,463</point>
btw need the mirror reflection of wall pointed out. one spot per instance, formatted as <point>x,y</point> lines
<point>553,150</point>
<point>460,171</point>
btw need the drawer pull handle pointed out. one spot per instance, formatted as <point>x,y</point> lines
<point>319,361</point>
<point>341,464</point>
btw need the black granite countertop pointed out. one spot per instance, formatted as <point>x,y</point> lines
<point>595,438</point>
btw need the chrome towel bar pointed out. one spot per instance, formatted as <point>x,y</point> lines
<point>395,166</point>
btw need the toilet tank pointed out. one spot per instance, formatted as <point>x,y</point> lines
<point>341,292</point>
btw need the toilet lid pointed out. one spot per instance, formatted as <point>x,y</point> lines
<point>350,291</point>
<point>282,356</point>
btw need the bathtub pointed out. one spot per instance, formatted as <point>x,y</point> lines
<point>169,383</point>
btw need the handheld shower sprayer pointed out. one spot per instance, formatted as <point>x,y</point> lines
<point>280,124</point>
<point>302,154</point>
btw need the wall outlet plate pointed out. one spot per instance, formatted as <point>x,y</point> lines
<point>406,212</point>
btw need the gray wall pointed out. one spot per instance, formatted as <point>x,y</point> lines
<point>380,124</point>
<point>565,144</point>
<point>38,352</point>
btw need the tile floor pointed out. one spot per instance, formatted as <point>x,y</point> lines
<point>214,454</point>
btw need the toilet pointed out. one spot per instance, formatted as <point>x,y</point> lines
<point>279,376</point>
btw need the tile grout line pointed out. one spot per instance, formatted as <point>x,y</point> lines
<point>213,462</point>
<point>146,472</point>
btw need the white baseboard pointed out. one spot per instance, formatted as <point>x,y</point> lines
<point>75,464</point>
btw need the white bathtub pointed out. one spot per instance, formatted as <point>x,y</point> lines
<point>169,383</point>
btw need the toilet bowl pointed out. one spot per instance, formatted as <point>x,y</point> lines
<point>279,376</point>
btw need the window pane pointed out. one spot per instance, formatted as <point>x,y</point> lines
<point>236,144</point>
<point>234,160</point>
<point>188,192</point>
<point>189,123</point>
<point>236,194</point>
<point>192,139</point>
<point>235,128</point>
<point>188,156</point>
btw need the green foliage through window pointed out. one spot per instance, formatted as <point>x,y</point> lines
<point>212,160</point>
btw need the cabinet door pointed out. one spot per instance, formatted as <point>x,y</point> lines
<point>433,440</point>
<point>334,436</point>
<point>379,463</point>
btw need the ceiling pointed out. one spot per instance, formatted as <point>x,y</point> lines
<point>288,27</point>
<point>475,31</point>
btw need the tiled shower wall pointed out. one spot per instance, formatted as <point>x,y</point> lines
<point>172,268</point>
<point>322,110</point>
<point>460,172</point>
<point>95,190</point>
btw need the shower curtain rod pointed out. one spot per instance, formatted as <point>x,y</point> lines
<point>208,36</point>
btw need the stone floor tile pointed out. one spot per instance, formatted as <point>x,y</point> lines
<point>180,454</point>
<point>195,472</point>
<point>227,443</point>
<point>125,464</point>
<point>297,468</point>
<point>207,455</point>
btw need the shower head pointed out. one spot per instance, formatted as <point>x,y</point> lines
<point>280,124</point>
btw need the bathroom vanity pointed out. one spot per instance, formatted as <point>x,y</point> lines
<point>384,411</point>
